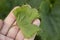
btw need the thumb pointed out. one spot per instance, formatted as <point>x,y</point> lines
<point>35,22</point>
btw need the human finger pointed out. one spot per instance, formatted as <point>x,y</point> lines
<point>9,20</point>
<point>19,36</point>
<point>13,32</point>
<point>2,37</point>
<point>1,24</point>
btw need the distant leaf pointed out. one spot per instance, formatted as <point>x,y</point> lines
<point>5,8</point>
<point>50,21</point>
<point>34,3</point>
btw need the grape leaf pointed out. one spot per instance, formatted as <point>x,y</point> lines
<point>24,17</point>
<point>50,20</point>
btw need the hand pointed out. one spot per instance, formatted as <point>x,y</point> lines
<point>9,29</point>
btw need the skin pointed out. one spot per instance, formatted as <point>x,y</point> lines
<point>9,29</point>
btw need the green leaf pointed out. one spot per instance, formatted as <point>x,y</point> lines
<point>24,17</point>
<point>34,3</point>
<point>50,20</point>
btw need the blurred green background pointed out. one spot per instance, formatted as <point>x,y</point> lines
<point>7,5</point>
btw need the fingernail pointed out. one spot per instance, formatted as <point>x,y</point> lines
<point>36,22</point>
